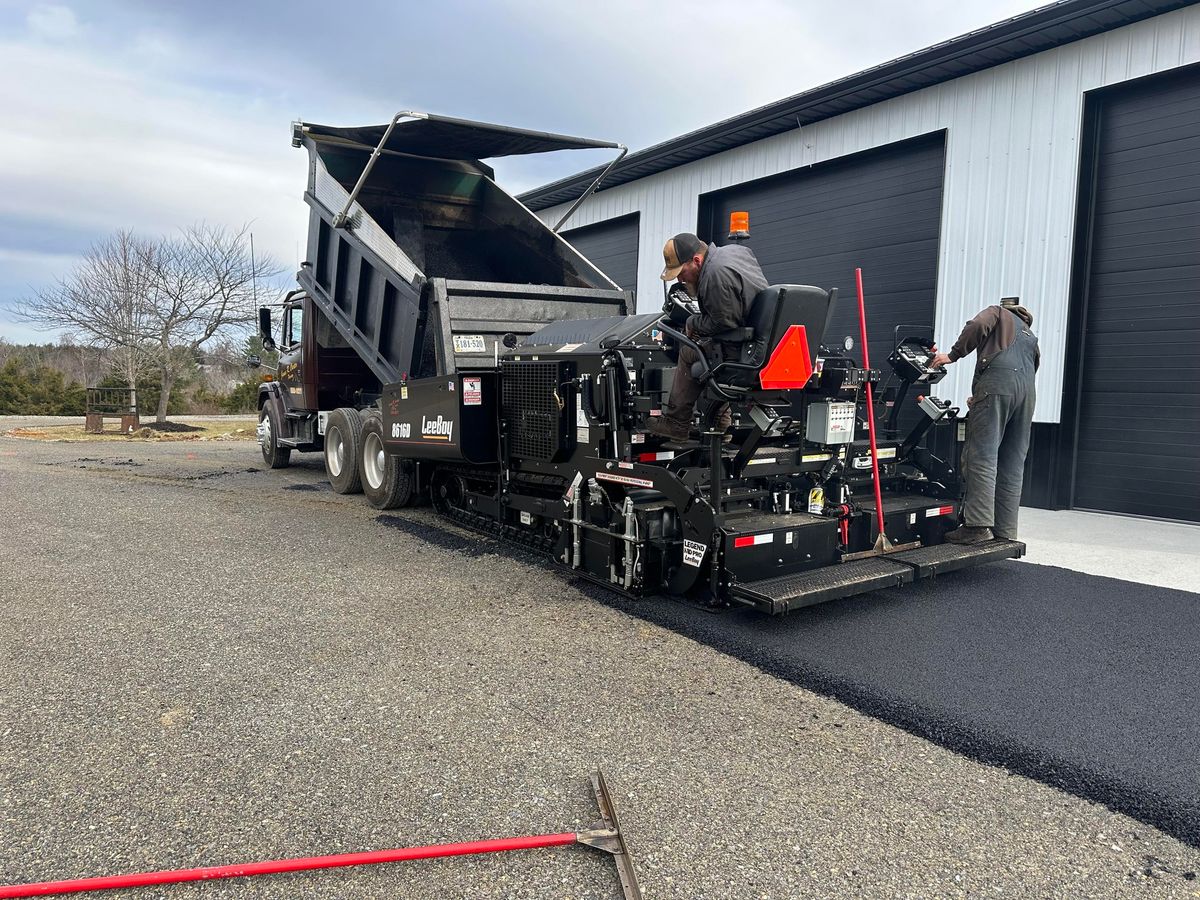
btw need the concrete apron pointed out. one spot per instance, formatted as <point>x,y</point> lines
<point>1147,551</point>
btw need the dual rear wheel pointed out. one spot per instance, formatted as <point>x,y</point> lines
<point>355,460</point>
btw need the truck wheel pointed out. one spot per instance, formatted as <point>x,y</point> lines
<point>386,480</point>
<point>275,456</point>
<point>342,452</point>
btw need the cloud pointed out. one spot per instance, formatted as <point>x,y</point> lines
<point>52,22</point>
<point>148,115</point>
<point>123,133</point>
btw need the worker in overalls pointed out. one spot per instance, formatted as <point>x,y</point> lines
<point>1001,411</point>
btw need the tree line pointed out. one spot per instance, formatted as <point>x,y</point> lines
<point>151,311</point>
<point>51,379</point>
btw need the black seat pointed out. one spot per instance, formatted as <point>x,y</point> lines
<point>740,354</point>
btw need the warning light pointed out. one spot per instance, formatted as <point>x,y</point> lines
<point>790,365</point>
<point>739,226</point>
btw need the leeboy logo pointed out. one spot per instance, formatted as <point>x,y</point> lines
<point>439,429</point>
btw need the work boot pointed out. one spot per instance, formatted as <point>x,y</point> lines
<point>668,429</point>
<point>969,534</point>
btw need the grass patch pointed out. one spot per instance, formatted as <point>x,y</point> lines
<point>197,430</point>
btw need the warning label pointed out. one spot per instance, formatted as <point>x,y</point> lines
<point>624,479</point>
<point>472,394</point>
<point>693,553</point>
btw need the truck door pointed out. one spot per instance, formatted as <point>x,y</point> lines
<point>292,374</point>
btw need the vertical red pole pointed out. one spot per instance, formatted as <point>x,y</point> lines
<point>862,327</point>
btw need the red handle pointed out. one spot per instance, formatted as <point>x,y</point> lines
<point>862,327</point>
<point>142,879</point>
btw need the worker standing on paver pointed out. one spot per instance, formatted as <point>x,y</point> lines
<point>1001,412</point>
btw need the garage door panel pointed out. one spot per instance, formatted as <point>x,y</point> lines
<point>612,246</point>
<point>1153,145</point>
<point>1138,439</point>
<point>1180,211</point>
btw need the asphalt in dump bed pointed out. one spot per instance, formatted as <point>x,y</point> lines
<point>1090,684</point>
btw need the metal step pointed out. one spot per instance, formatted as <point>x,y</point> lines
<point>929,561</point>
<point>787,592</point>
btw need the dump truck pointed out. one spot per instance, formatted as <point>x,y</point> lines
<point>444,345</point>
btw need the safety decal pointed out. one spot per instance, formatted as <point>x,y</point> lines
<point>693,553</point>
<point>568,348</point>
<point>526,518</point>
<point>753,540</point>
<point>624,479</point>
<point>472,393</point>
<point>816,457</point>
<point>583,435</point>
<point>763,460</point>
<point>816,500</point>
<point>403,392</point>
<point>639,438</point>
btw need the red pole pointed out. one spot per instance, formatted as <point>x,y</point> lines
<point>142,879</point>
<point>862,326</point>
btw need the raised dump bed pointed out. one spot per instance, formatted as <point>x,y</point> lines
<point>431,263</point>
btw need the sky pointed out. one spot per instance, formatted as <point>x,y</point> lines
<point>150,116</point>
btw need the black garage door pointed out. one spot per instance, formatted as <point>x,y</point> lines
<point>1138,435</point>
<point>612,246</point>
<point>879,210</point>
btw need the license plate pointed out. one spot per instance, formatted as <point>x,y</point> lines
<point>469,343</point>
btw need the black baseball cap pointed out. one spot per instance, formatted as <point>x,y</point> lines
<point>677,251</point>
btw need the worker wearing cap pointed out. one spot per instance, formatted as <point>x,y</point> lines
<point>1001,404</point>
<point>725,281</point>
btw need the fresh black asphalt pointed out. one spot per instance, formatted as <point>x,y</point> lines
<point>1090,684</point>
<point>1087,683</point>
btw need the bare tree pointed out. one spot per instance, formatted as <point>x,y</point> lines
<point>205,284</point>
<point>155,303</point>
<point>102,302</point>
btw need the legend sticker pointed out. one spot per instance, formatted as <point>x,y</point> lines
<point>693,553</point>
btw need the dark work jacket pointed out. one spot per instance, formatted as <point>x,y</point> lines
<point>730,279</point>
<point>992,332</point>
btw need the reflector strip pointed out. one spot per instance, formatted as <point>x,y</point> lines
<point>656,457</point>
<point>791,363</point>
<point>939,511</point>
<point>751,540</point>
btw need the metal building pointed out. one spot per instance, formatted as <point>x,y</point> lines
<point>1054,156</point>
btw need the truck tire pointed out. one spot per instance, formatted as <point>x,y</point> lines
<point>275,456</point>
<point>387,481</point>
<point>342,450</point>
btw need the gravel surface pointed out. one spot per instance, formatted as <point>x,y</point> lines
<point>203,662</point>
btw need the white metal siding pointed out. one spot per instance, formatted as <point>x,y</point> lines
<point>1012,158</point>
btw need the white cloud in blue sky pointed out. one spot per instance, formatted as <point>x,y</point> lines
<point>144,115</point>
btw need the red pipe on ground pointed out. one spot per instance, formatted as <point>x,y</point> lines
<point>142,879</point>
<point>862,325</point>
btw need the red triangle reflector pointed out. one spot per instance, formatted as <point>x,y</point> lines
<point>790,365</point>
